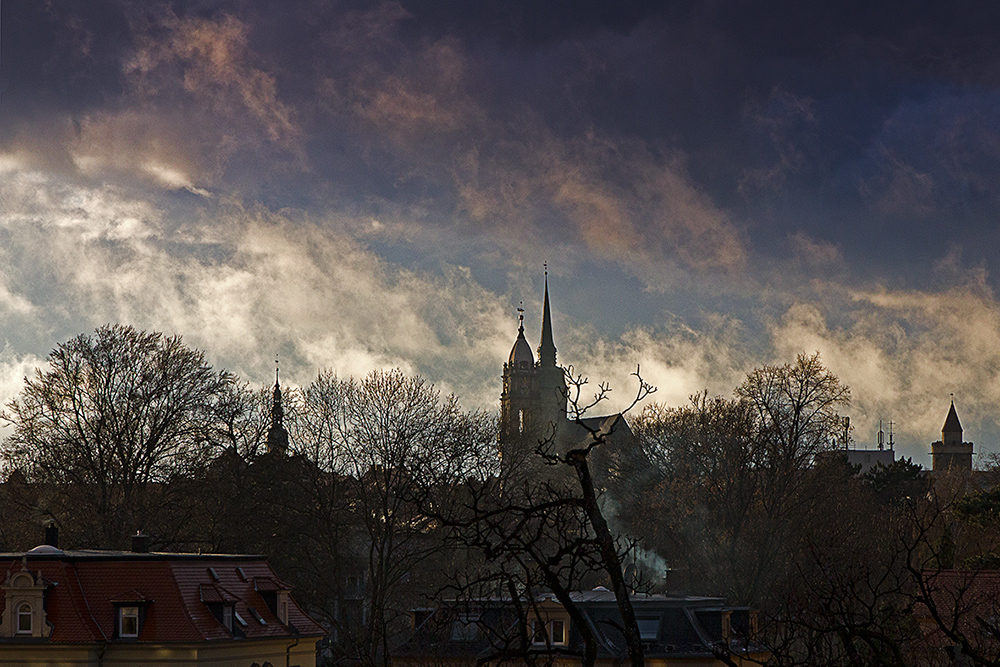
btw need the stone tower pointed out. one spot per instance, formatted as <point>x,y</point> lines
<point>533,402</point>
<point>950,453</point>
<point>519,400</point>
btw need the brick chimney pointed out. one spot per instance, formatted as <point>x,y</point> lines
<point>140,543</point>
<point>52,534</point>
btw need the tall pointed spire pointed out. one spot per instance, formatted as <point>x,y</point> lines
<point>546,347</point>
<point>277,436</point>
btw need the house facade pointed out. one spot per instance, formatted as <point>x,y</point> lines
<point>675,630</point>
<point>106,608</point>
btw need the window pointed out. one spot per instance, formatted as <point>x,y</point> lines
<point>128,622</point>
<point>283,612</point>
<point>24,619</point>
<point>239,619</point>
<point>227,617</point>
<point>213,573</point>
<point>556,632</point>
<point>649,627</point>
<point>465,628</point>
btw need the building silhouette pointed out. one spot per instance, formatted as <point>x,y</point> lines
<point>534,401</point>
<point>950,453</point>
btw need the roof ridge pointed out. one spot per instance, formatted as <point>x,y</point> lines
<point>86,602</point>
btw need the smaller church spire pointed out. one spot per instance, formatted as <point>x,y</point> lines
<point>277,436</point>
<point>951,423</point>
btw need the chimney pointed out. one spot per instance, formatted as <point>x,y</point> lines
<point>140,543</point>
<point>52,534</point>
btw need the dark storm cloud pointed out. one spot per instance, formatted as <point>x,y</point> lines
<point>61,56</point>
<point>715,184</point>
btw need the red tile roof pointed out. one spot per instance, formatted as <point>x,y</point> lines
<point>175,590</point>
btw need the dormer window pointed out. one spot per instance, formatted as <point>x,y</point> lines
<point>25,618</point>
<point>554,631</point>
<point>128,622</point>
<point>24,604</point>
<point>649,627</point>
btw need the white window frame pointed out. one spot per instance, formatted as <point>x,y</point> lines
<point>30,615</point>
<point>130,613</point>
<point>542,638</point>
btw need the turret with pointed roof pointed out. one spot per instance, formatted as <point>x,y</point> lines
<point>950,453</point>
<point>277,436</point>
<point>519,400</point>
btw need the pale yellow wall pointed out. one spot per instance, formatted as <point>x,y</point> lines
<point>213,654</point>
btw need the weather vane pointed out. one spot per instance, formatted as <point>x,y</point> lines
<point>520,313</point>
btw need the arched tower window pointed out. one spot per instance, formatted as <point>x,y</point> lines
<point>24,619</point>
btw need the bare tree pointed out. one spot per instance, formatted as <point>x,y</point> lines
<point>372,440</point>
<point>543,532</point>
<point>112,420</point>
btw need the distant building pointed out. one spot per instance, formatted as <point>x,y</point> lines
<point>675,630</point>
<point>950,453</point>
<point>133,608</point>
<point>533,403</point>
<point>869,458</point>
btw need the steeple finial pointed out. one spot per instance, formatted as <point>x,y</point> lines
<point>520,317</point>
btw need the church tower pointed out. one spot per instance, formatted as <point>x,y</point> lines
<point>950,452</point>
<point>519,400</point>
<point>533,402</point>
<point>277,436</point>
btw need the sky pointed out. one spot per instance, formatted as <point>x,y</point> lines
<point>353,185</point>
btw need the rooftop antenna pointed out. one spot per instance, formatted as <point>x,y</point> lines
<point>881,436</point>
<point>275,371</point>
<point>890,435</point>
<point>545,265</point>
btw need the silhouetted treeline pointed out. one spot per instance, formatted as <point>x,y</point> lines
<point>388,496</point>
